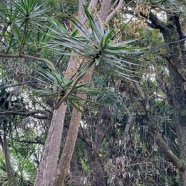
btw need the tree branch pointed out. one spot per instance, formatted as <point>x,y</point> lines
<point>49,63</point>
<point>45,114</point>
<point>68,93</point>
<point>37,141</point>
<point>112,14</point>
<point>72,88</point>
<point>156,22</point>
<point>178,27</point>
<point>104,10</point>
<point>175,68</point>
<point>178,163</point>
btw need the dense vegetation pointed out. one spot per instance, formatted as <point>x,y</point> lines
<point>92,92</point>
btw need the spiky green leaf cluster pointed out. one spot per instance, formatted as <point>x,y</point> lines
<point>21,19</point>
<point>97,43</point>
<point>56,86</point>
<point>93,42</point>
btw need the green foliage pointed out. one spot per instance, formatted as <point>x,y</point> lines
<point>63,87</point>
<point>97,45</point>
<point>43,29</point>
<point>85,165</point>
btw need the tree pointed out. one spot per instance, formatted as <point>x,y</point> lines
<point>29,13</point>
<point>133,111</point>
<point>173,36</point>
<point>66,156</point>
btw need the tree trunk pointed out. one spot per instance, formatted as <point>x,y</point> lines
<point>47,168</point>
<point>9,170</point>
<point>176,60</point>
<point>64,163</point>
<point>68,150</point>
<point>51,149</point>
<point>176,63</point>
<point>50,154</point>
<point>98,174</point>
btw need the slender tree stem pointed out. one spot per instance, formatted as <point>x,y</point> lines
<point>23,39</point>
<point>73,86</point>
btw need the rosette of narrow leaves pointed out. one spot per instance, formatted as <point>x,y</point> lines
<point>95,42</point>
<point>55,86</point>
<point>21,19</point>
<point>90,41</point>
<point>29,12</point>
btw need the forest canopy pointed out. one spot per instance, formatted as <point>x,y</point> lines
<point>92,92</point>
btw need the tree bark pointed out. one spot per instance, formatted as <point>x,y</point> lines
<point>98,174</point>
<point>9,170</point>
<point>176,59</point>
<point>64,162</point>
<point>50,154</point>
<point>51,149</point>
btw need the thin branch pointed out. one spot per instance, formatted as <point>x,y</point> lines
<point>121,28</point>
<point>164,45</point>
<point>23,39</point>
<point>112,14</point>
<point>178,163</point>
<point>45,115</point>
<point>59,60</point>
<point>16,85</point>
<point>88,143</point>
<point>37,141</point>
<point>68,93</point>
<point>28,57</point>
<point>175,68</point>
<point>114,4</point>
